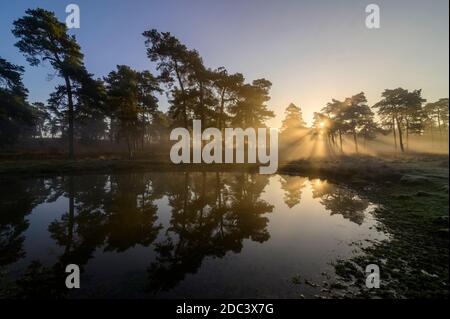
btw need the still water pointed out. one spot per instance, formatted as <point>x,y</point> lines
<point>178,234</point>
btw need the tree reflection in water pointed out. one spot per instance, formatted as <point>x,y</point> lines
<point>292,186</point>
<point>211,215</point>
<point>17,199</point>
<point>340,200</point>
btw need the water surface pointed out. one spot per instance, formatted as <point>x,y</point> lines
<point>179,234</point>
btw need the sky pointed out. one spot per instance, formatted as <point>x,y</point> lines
<point>312,51</point>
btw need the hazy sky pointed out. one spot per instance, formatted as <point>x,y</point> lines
<point>311,51</point>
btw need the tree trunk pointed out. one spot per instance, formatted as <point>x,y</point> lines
<point>202,104</point>
<point>129,147</point>
<point>407,134</point>
<point>395,134</point>
<point>400,137</point>
<point>432,135</point>
<point>340,140</point>
<point>70,102</point>
<point>222,120</point>
<point>183,95</point>
<point>440,128</point>
<point>356,141</point>
<point>222,109</point>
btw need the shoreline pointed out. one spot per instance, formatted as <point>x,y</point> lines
<point>373,169</point>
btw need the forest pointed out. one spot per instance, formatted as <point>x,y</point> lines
<point>120,112</point>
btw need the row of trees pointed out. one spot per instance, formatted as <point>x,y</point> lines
<point>16,116</point>
<point>400,112</point>
<point>123,106</point>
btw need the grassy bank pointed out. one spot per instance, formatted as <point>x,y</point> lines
<point>100,166</point>
<point>364,168</point>
<point>414,263</point>
<point>413,197</point>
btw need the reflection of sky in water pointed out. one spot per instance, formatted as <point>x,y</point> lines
<point>312,224</point>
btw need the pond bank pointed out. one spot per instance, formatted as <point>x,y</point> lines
<point>97,166</point>
<point>413,197</point>
<point>352,167</point>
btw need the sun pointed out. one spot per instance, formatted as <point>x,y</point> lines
<point>322,124</point>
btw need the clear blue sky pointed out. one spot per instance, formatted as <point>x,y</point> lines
<point>312,51</point>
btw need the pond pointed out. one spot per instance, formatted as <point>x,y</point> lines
<point>179,234</point>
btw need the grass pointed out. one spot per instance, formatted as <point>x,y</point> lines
<point>414,263</point>
<point>413,197</point>
<point>83,166</point>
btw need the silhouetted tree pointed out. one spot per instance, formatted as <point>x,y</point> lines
<point>437,114</point>
<point>43,38</point>
<point>227,87</point>
<point>250,109</point>
<point>133,103</point>
<point>173,63</point>
<point>395,107</point>
<point>414,114</point>
<point>15,113</point>
<point>160,126</point>
<point>356,114</point>
<point>335,110</point>
<point>293,119</point>
<point>42,119</point>
<point>90,108</point>
<point>200,80</point>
